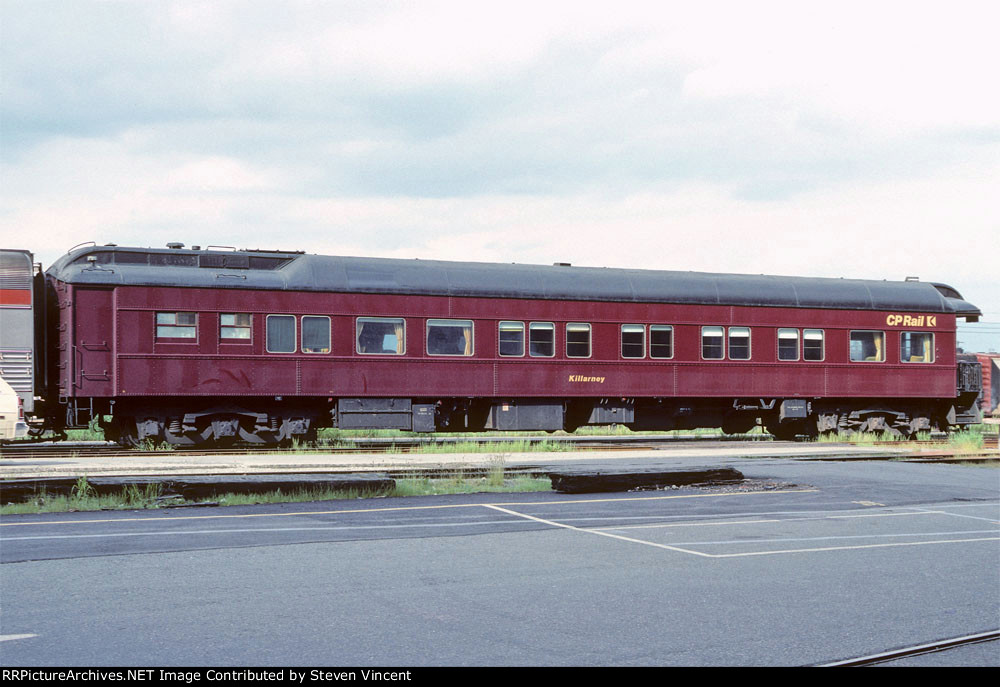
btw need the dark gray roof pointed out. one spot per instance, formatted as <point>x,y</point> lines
<point>301,272</point>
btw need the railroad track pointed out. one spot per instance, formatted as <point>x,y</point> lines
<point>370,445</point>
<point>919,650</point>
<point>930,450</point>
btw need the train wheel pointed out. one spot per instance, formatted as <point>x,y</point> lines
<point>879,424</point>
<point>127,434</point>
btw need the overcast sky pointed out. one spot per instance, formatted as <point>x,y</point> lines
<point>802,138</point>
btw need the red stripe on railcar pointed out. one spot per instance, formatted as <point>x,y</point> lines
<point>15,298</point>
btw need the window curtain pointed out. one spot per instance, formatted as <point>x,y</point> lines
<point>362,348</point>
<point>398,330</point>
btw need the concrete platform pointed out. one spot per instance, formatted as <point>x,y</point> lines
<point>181,462</point>
<point>197,475</point>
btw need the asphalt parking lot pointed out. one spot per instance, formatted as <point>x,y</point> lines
<point>806,563</point>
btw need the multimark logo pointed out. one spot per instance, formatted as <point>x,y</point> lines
<point>911,320</point>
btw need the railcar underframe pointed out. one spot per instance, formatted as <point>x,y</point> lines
<point>277,421</point>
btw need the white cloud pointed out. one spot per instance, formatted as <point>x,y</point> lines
<point>887,65</point>
<point>852,140</point>
<point>216,173</point>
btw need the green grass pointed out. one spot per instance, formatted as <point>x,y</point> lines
<point>867,438</point>
<point>84,498</point>
<point>967,441</point>
<point>469,484</point>
<point>495,479</point>
<point>522,446</point>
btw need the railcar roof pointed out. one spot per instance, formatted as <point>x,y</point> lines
<point>275,270</point>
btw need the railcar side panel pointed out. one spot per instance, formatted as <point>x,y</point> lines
<point>114,332</point>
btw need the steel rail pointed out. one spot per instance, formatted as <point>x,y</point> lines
<point>376,444</point>
<point>920,649</point>
<point>930,451</point>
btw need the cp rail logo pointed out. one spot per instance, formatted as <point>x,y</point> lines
<point>911,320</point>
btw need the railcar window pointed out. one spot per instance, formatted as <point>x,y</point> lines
<point>511,339</point>
<point>542,339</point>
<point>127,258</point>
<point>812,344</point>
<point>739,343</point>
<point>633,341</point>
<point>176,325</point>
<point>449,337</point>
<point>232,261</point>
<point>577,340</point>
<point>916,347</point>
<point>381,335</point>
<point>712,343</point>
<point>280,333</point>
<point>315,334</point>
<point>235,326</point>
<point>661,341</point>
<point>868,346</point>
<point>173,260</point>
<point>788,344</point>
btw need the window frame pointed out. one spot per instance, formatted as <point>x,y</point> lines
<point>542,326</point>
<point>158,325</point>
<point>236,339</point>
<point>524,348</point>
<point>850,340</point>
<point>729,343</point>
<point>295,334</point>
<point>798,344</point>
<point>359,322</point>
<point>661,328</point>
<point>932,349</point>
<point>590,339</point>
<point>329,334</point>
<point>722,344</point>
<point>822,345</point>
<point>470,344</point>
<point>641,344</point>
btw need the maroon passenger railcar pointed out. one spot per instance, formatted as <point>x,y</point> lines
<point>211,346</point>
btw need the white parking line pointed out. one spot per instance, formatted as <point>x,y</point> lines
<point>960,515</point>
<point>256,530</point>
<point>834,537</point>
<point>755,522</point>
<point>888,511</point>
<point>849,548</point>
<point>597,532</point>
<point>11,638</point>
<point>680,549</point>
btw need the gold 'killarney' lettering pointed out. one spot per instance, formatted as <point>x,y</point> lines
<point>584,378</point>
<point>911,320</point>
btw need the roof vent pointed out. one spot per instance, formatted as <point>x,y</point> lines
<point>175,246</point>
<point>562,264</point>
<point>913,279</point>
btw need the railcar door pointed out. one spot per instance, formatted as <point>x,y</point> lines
<point>93,342</point>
